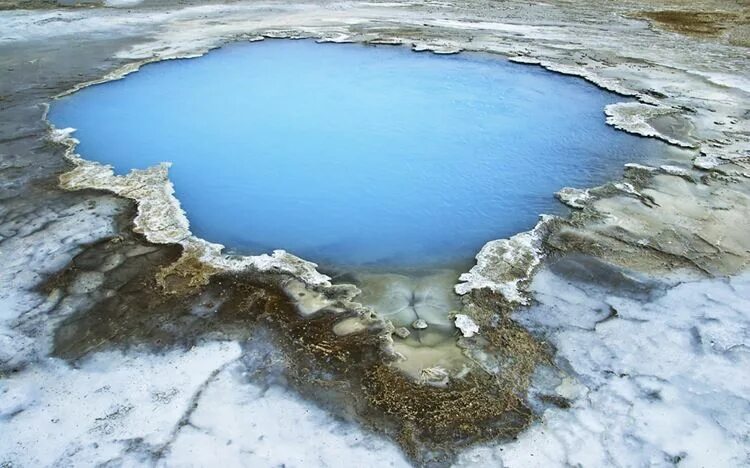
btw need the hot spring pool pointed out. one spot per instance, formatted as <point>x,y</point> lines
<point>354,156</point>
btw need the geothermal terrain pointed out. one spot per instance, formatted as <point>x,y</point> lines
<point>614,332</point>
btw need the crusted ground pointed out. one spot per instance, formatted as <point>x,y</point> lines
<point>729,21</point>
<point>140,305</point>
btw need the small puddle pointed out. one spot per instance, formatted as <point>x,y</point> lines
<point>371,161</point>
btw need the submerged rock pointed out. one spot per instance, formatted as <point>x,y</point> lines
<point>402,332</point>
<point>419,324</point>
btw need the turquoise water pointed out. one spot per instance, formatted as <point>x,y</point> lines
<point>351,155</point>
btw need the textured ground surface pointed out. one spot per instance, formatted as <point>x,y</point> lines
<point>152,347</point>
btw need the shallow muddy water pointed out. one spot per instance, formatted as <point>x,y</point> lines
<point>355,156</point>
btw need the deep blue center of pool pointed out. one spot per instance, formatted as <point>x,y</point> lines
<point>351,155</point>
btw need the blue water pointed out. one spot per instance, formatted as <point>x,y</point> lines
<point>351,155</point>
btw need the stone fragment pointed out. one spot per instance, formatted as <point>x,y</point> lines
<point>402,332</point>
<point>573,197</point>
<point>466,325</point>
